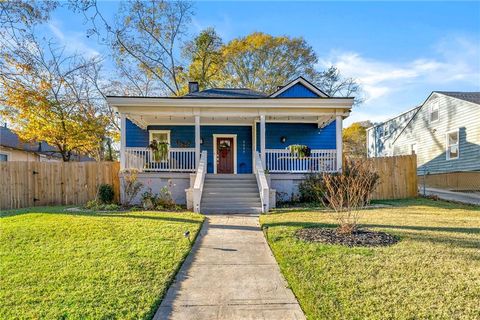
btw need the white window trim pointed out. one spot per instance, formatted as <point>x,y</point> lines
<point>150,138</point>
<point>434,104</point>
<point>151,132</point>
<point>234,136</point>
<point>8,154</point>
<point>447,145</point>
<point>413,148</point>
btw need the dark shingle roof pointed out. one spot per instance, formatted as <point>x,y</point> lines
<point>10,139</point>
<point>226,93</point>
<point>467,96</point>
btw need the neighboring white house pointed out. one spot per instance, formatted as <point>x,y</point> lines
<point>444,133</point>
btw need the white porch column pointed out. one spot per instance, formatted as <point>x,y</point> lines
<point>338,126</point>
<point>123,140</point>
<point>197,141</point>
<point>262,140</point>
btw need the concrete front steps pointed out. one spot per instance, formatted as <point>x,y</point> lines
<point>230,193</point>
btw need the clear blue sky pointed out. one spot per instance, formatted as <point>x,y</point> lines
<point>398,51</point>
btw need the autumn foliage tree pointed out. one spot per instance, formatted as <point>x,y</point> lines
<point>46,94</point>
<point>355,139</point>
<point>51,107</point>
<point>261,62</point>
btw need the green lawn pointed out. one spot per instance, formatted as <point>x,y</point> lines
<point>58,264</point>
<point>432,273</point>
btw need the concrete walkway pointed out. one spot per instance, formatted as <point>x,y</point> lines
<point>230,274</point>
<point>463,197</point>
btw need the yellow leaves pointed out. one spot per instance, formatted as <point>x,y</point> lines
<point>44,85</point>
<point>39,118</point>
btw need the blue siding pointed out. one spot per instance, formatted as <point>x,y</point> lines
<point>298,91</point>
<point>180,136</point>
<point>298,133</point>
<point>184,136</point>
<point>135,136</point>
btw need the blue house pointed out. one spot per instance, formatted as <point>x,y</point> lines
<point>232,143</point>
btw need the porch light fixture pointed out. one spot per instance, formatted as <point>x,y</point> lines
<point>201,140</point>
<point>283,139</point>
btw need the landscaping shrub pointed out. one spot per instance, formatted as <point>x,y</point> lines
<point>348,192</point>
<point>95,205</point>
<point>149,200</point>
<point>165,199</point>
<point>312,189</point>
<point>131,187</point>
<point>160,201</point>
<point>105,193</point>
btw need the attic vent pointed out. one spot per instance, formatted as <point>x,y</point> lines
<point>192,86</point>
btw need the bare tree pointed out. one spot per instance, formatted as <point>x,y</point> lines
<point>348,192</point>
<point>335,85</point>
<point>49,95</point>
<point>37,66</point>
<point>146,40</point>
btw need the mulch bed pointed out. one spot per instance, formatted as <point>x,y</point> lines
<point>359,238</point>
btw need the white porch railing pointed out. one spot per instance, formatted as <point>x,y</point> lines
<point>262,183</point>
<point>179,160</point>
<point>199,180</point>
<point>283,161</point>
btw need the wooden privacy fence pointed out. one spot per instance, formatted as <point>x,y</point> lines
<point>398,177</point>
<point>28,184</point>
<point>458,181</point>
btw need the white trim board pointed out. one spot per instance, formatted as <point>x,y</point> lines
<point>220,135</point>
<point>303,82</point>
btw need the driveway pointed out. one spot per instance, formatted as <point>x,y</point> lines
<point>463,197</point>
<point>230,274</point>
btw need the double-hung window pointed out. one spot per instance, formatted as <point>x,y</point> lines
<point>161,136</point>
<point>434,112</point>
<point>453,145</point>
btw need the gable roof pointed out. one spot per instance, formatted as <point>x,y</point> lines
<point>235,93</point>
<point>473,97</point>
<point>300,80</point>
<point>10,139</point>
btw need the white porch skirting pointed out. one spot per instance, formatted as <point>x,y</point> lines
<point>176,182</point>
<point>282,185</point>
<point>285,185</point>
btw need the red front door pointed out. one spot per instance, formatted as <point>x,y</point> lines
<point>225,154</point>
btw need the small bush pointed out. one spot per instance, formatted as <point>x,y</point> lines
<point>165,200</point>
<point>105,193</point>
<point>131,187</point>
<point>149,200</point>
<point>312,189</point>
<point>348,192</point>
<point>92,205</point>
<point>111,207</point>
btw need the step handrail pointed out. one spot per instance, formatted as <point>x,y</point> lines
<point>262,183</point>
<point>199,181</point>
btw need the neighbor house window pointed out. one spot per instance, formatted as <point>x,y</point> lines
<point>3,157</point>
<point>452,145</point>
<point>434,113</point>
<point>413,148</point>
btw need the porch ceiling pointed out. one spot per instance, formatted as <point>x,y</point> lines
<point>145,120</point>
